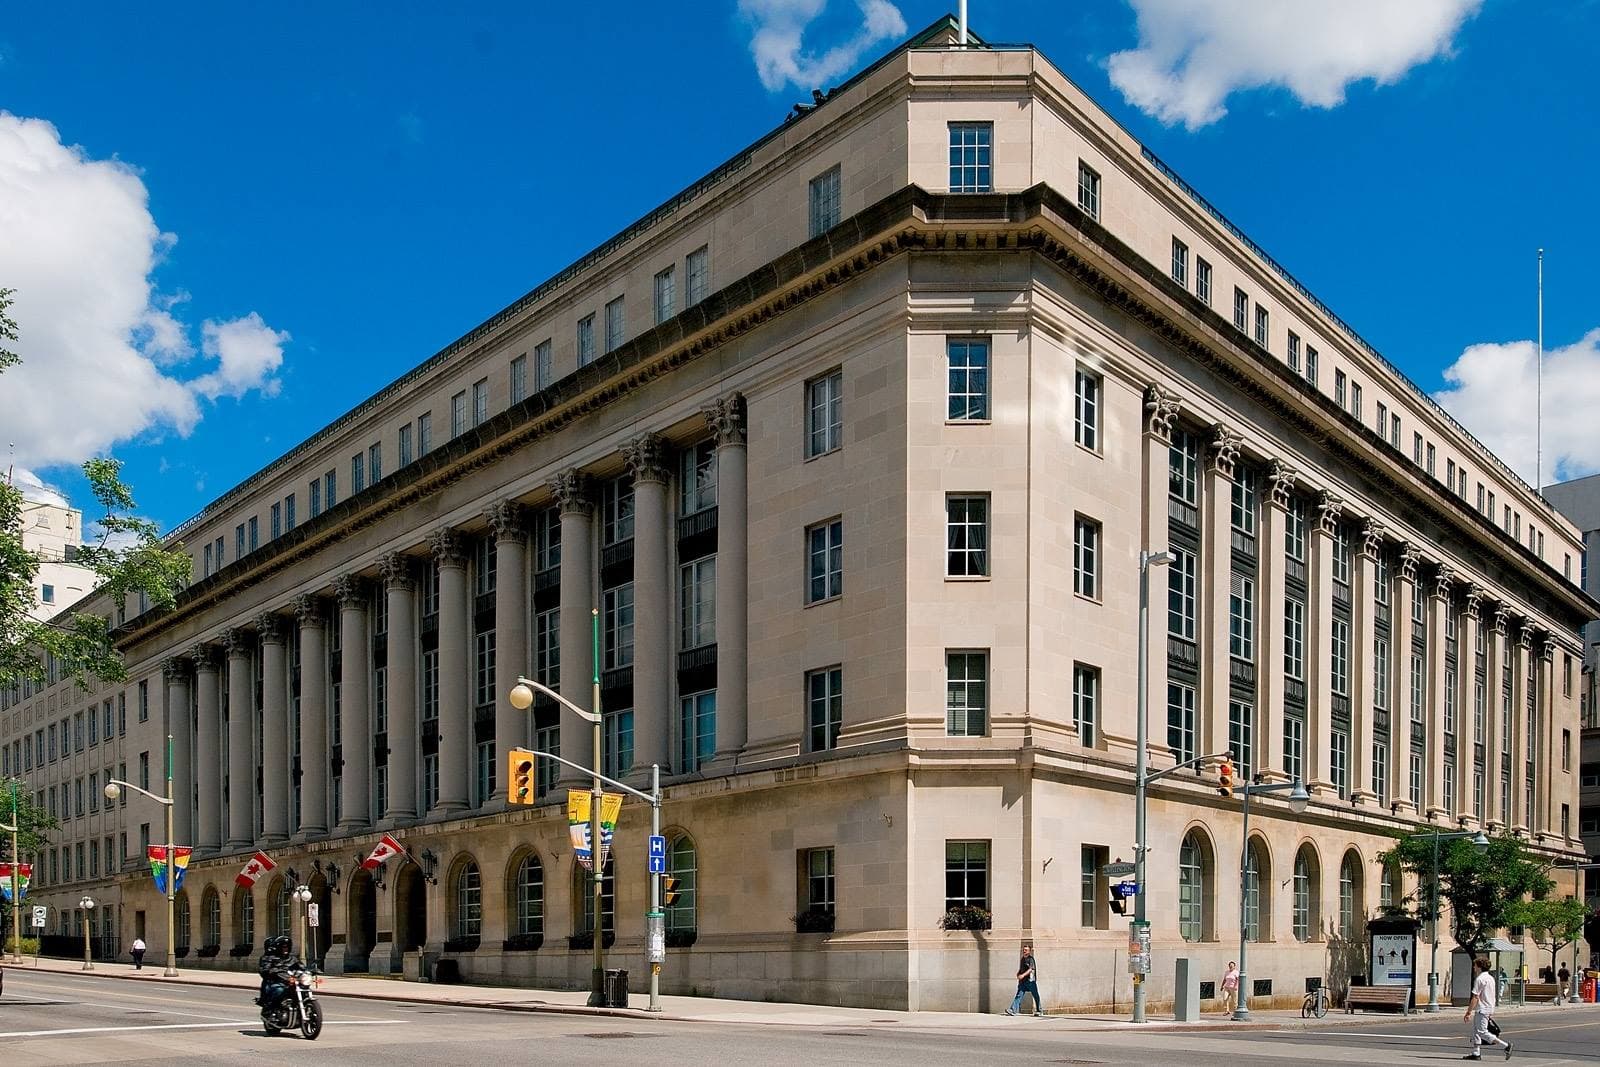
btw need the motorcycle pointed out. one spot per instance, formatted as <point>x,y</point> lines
<point>297,1008</point>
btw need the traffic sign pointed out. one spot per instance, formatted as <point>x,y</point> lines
<point>658,845</point>
<point>313,913</point>
<point>658,864</point>
<point>39,912</point>
<point>1126,889</point>
<point>1117,870</point>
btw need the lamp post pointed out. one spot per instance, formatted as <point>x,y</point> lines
<point>87,905</point>
<point>16,877</point>
<point>1298,800</point>
<point>1479,842</point>
<point>521,698</point>
<point>114,787</point>
<point>1146,561</point>
<point>302,893</point>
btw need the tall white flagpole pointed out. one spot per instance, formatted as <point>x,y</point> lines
<point>1538,392</point>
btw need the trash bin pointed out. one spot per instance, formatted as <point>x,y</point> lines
<point>616,989</point>
<point>447,972</point>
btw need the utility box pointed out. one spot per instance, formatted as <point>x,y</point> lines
<point>1186,992</point>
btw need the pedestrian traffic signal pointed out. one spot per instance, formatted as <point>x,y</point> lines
<point>1225,777</point>
<point>519,777</point>
<point>1119,903</point>
<point>669,890</point>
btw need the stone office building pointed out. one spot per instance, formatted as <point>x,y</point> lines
<point>853,445</point>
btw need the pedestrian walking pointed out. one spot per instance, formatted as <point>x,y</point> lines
<point>1027,982</point>
<point>1563,985</point>
<point>1230,988</point>
<point>138,953</point>
<point>1480,1012</point>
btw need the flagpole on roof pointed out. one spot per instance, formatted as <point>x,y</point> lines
<point>1538,391</point>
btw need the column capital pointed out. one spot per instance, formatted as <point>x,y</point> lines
<point>508,519</point>
<point>236,641</point>
<point>573,492</point>
<point>1410,559</point>
<point>1547,645</point>
<point>308,611</point>
<point>1281,480</point>
<point>1502,620</point>
<point>1372,536</point>
<point>203,656</point>
<point>1472,604</point>
<point>175,668</point>
<point>1160,410</point>
<point>350,590</point>
<point>646,456</point>
<point>1444,582</point>
<point>269,627</point>
<point>395,570</point>
<point>445,546</point>
<point>1224,451</point>
<point>1330,510</point>
<point>725,416</point>
<point>1525,636</point>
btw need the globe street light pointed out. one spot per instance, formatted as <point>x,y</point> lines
<point>302,893</point>
<point>87,904</point>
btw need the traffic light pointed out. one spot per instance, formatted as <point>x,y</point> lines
<point>520,787</point>
<point>669,890</point>
<point>1119,903</point>
<point>1225,777</point>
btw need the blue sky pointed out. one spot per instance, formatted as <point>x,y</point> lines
<point>330,194</point>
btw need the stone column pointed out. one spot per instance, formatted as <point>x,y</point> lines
<point>455,678</point>
<point>1216,576</point>
<point>241,749</point>
<point>1546,760</point>
<point>274,730</point>
<point>653,603</point>
<point>310,618</point>
<point>400,588</point>
<point>727,419</point>
<point>1405,592</point>
<point>1521,817</point>
<point>1467,711</point>
<point>179,725</point>
<point>355,705</point>
<point>1269,624</point>
<point>1438,633</point>
<point>1161,411</point>
<point>1364,673</point>
<point>512,728</point>
<point>1319,648</point>
<point>572,491</point>
<point>208,740</point>
<point>1494,743</point>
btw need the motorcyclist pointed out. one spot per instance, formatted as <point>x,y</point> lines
<point>277,953</point>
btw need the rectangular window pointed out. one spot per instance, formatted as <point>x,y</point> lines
<point>1263,327</point>
<point>480,401</point>
<point>1383,418</point>
<point>824,708</point>
<point>1086,410</point>
<point>1417,702</point>
<point>238,541</point>
<point>1380,673</point>
<point>586,340</point>
<point>424,434</point>
<point>617,623</point>
<point>966,704</point>
<point>697,730</point>
<point>1243,513</point>
<point>1449,701</point>
<point>1202,280</point>
<point>969,378</point>
<point>1241,736</point>
<point>430,685</point>
<point>1181,594</point>
<point>1311,365</point>
<point>966,535</point>
<point>547,646</point>
<point>1183,468</point>
<point>1241,309</point>
<point>1294,746</point>
<point>697,478</point>
<point>405,452</point>
<point>697,589</point>
<point>1294,351</point>
<point>824,561</point>
<point>1380,771</point>
<point>616,324</point>
<point>618,741</point>
<point>1339,668</point>
<point>824,414</point>
<point>1180,262</point>
<point>1431,455</point>
<point>1086,558</point>
<point>697,275</point>
<point>820,885</point>
<point>665,293</point>
<point>458,414</point>
<point>1086,704</point>
<point>825,201</point>
<point>517,380</point>
<point>375,463</point>
<point>1450,474</point>
<point>254,527</point>
<point>543,365</point>
<point>1338,387</point>
<point>483,674</point>
<point>144,701</point>
<point>1339,760</point>
<point>1089,190</point>
<point>1394,438</point>
<point>288,512</point>
<point>1294,638</point>
<point>1242,618</point>
<point>971,157</point>
<point>1355,399</point>
<point>1180,721</point>
<point>966,874</point>
<point>1094,888</point>
<point>617,505</point>
<point>358,473</point>
<point>1294,530</point>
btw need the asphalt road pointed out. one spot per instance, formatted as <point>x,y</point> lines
<point>68,1019</point>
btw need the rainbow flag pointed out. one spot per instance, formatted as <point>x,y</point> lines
<point>22,872</point>
<point>157,855</point>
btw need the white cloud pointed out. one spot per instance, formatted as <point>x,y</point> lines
<point>1193,54</point>
<point>248,353</point>
<point>36,489</point>
<point>779,26</point>
<point>98,341</point>
<point>1491,392</point>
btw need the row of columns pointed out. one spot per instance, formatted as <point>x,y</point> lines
<point>648,462</point>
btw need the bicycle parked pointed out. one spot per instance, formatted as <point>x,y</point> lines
<point>1316,1003</point>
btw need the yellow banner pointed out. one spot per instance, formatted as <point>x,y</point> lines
<point>579,803</point>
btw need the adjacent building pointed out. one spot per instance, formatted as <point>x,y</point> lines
<point>849,450</point>
<point>54,534</point>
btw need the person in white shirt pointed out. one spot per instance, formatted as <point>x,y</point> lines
<point>1480,1011</point>
<point>138,953</point>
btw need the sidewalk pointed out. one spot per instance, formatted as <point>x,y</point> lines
<point>709,1010</point>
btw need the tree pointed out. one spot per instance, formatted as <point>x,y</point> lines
<point>1481,888</point>
<point>128,558</point>
<point>33,825</point>
<point>1554,924</point>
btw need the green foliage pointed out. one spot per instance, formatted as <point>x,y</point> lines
<point>8,330</point>
<point>966,917</point>
<point>30,945</point>
<point>1481,889</point>
<point>33,824</point>
<point>1554,924</point>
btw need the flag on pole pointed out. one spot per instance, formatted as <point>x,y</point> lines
<point>578,824</point>
<point>259,864</point>
<point>386,848</point>
<point>157,855</point>
<point>18,876</point>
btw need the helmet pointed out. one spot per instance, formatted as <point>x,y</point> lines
<point>279,945</point>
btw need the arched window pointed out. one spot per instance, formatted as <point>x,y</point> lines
<point>1307,902</point>
<point>1387,881</point>
<point>180,909</point>
<point>1193,875</point>
<point>469,902</point>
<point>244,918</point>
<point>211,913</point>
<point>1257,892</point>
<point>528,896</point>
<point>681,866</point>
<point>1351,905</point>
<point>583,900</point>
<point>278,900</point>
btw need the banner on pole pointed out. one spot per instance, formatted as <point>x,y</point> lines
<point>15,875</point>
<point>157,855</point>
<point>578,820</point>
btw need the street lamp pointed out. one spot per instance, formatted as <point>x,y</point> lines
<point>1298,800</point>
<point>114,788</point>
<point>1146,561</point>
<point>87,904</point>
<point>302,893</point>
<point>521,698</point>
<point>1479,842</point>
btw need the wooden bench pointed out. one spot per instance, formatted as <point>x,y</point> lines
<point>1536,991</point>
<point>1370,997</point>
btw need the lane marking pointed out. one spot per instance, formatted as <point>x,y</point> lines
<point>1347,1033</point>
<point>181,1026</point>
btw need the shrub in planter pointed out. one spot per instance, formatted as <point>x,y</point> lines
<point>967,917</point>
<point>813,921</point>
<point>240,951</point>
<point>579,941</point>
<point>181,953</point>
<point>681,938</point>
<point>522,942</point>
<point>208,951</point>
<point>462,944</point>
<point>30,946</point>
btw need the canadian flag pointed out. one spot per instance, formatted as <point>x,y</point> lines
<point>259,864</point>
<point>387,847</point>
